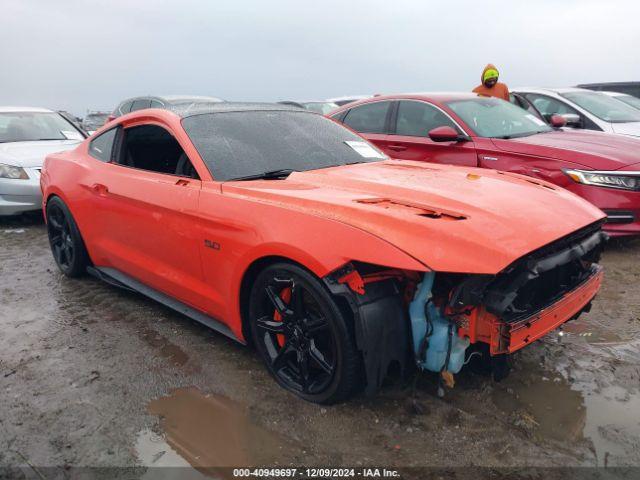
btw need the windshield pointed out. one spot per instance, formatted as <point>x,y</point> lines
<point>30,126</point>
<point>241,144</point>
<point>629,100</point>
<point>604,107</point>
<point>320,107</point>
<point>495,118</point>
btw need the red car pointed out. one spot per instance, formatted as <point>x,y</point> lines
<point>465,129</point>
<point>279,227</point>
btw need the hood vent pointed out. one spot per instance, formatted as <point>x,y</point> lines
<point>412,208</point>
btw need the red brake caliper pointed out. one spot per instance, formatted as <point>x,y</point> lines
<point>285,295</point>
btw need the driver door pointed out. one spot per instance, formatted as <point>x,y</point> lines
<point>146,201</point>
<point>409,136</point>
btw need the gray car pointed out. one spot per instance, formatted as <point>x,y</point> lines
<point>27,136</point>
<point>319,106</point>
<point>150,101</point>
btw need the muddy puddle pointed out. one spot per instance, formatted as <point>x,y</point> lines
<point>153,451</point>
<point>598,336</point>
<point>593,398</point>
<point>207,432</point>
<point>548,407</point>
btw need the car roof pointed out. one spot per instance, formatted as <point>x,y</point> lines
<point>610,84</point>
<point>435,96</point>
<point>25,109</point>
<point>615,94</point>
<point>305,101</point>
<point>348,97</point>
<point>189,98</point>
<point>189,110</point>
<point>173,99</point>
<point>550,89</point>
<point>440,96</point>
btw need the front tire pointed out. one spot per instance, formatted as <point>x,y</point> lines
<point>66,242</point>
<point>302,335</point>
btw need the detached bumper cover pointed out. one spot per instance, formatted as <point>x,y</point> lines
<point>510,337</point>
<point>534,295</point>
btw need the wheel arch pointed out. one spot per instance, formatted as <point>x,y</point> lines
<point>252,271</point>
<point>55,193</point>
<point>246,284</point>
<point>376,320</point>
<point>52,193</point>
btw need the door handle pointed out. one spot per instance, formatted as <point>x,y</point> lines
<point>182,182</point>
<point>100,189</point>
<point>397,148</point>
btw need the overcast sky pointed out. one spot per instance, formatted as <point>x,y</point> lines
<point>81,54</point>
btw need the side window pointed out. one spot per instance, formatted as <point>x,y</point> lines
<point>156,104</point>
<point>518,101</point>
<point>125,108</point>
<point>140,104</point>
<point>339,117</point>
<point>152,148</point>
<point>549,106</point>
<point>415,119</point>
<point>101,147</point>
<point>524,103</point>
<point>368,118</point>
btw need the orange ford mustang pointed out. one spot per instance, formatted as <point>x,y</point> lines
<point>281,228</point>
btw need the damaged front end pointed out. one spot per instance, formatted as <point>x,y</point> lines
<point>433,318</point>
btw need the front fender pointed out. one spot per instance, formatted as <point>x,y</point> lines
<point>320,253</point>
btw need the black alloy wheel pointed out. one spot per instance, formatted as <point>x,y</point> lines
<point>302,335</point>
<point>66,243</point>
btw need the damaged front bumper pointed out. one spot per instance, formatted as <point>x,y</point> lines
<point>430,319</point>
<point>510,337</point>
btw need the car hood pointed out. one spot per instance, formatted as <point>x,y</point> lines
<point>593,150</point>
<point>452,219</point>
<point>629,128</point>
<point>31,154</point>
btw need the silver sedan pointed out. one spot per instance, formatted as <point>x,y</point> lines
<point>27,136</point>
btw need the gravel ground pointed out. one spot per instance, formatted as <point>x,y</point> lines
<point>91,375</point>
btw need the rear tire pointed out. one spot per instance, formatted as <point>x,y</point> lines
<point>302,335</point>
<point>66,242</point>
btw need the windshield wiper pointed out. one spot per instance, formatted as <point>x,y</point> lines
<point>520,135</point>
<point>356,162</point>
<point>270,175</point>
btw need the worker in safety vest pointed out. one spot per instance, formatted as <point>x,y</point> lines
<point>490,87</point>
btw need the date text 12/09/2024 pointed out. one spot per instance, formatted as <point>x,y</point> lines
<point>316,472</point>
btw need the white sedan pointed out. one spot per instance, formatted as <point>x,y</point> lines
<point>626,98</point>
<point>583,109</point>
<point>27,136</point>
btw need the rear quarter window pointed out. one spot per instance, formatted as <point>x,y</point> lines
<point>140,104</point>
<point>368,118</point>
<point>101,147</point>
<point>124,108</point>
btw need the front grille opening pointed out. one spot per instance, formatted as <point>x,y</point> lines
<point>545,290</point>
<point>541,278</point>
